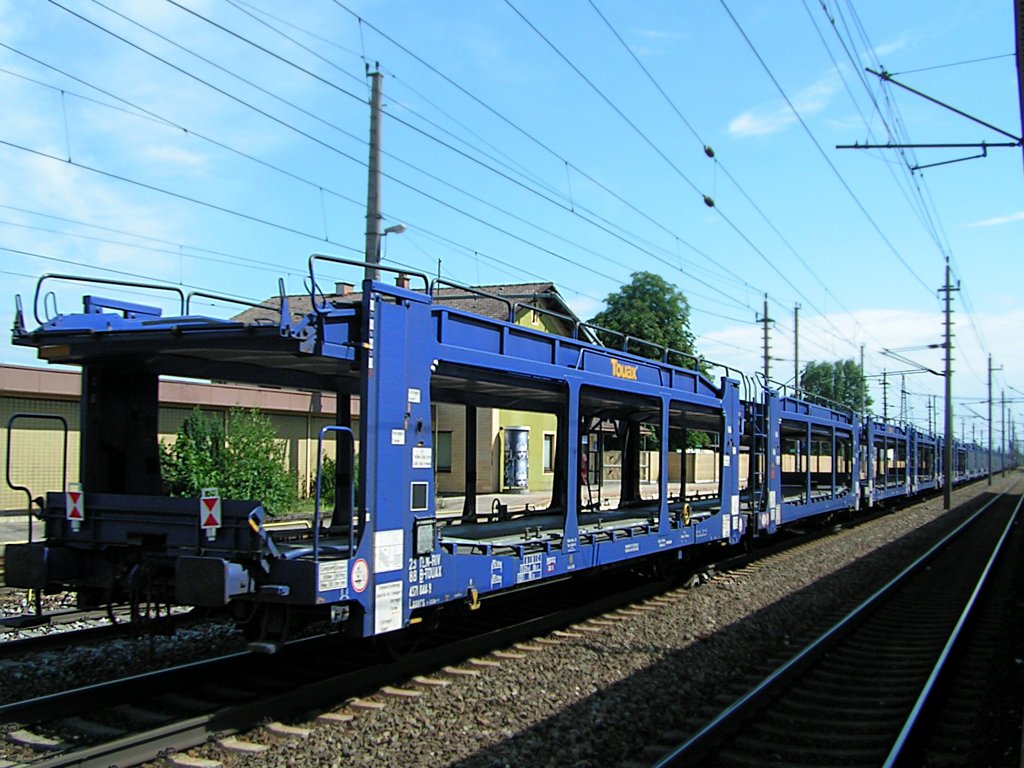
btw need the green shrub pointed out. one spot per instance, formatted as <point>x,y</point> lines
<point>327,482</point>
<point>195,459</point>
<point>245,463</point>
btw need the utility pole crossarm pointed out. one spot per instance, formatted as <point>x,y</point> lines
<point>883,75</point>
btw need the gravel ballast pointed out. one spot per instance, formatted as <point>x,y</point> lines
<point>599,698</point>
<point>595,699</point>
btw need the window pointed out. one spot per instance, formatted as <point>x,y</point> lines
<point>549,452</point>
<point>443,452</point>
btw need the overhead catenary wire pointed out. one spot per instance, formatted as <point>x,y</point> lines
<point>719,163</point>
<point>601,222</point>
<point>344,154</point>
<point>821,150</point>
<point>632,124</point>
<point>926,208</point>
<point>429,196</point>
<point>450,198</point>
<point>533,139</point>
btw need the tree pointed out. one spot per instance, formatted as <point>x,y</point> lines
<point>841,382</point>
<point>652,309</point>
<point>247,462</point>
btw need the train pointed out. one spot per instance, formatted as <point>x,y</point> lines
<point>387,557</point>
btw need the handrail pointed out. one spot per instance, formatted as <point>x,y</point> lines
<point>314,257</point>
<point>218,297</point>
<point>319,474</point>
<point>475,291</point>
<point>697,359</point>
<point>643,342</point>
<point>602,329</point>
<point>102,281</point>
<point>64,465</point>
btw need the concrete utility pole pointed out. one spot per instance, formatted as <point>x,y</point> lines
<point>767,359</point>
<point>1002,439</point>
<point>990,371</point>
<point>885,395</point>
<point>947,452</point>
<point>796,347</point>
<point>863,382</point>
<point>373,185</point>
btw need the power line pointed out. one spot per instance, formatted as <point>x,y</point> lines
<point>429,196</point>
<point>571,209</point>
<point>609,102</point>
<point>391,177</point>
<point>927,212</point>
<point>821,149</point>
<point>786,279</point>
<point>954,64</point>
<point>537,142</point>
<point>178,195</point>
<point>706,147</point>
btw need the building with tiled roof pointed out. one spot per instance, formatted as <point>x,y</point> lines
<point>548,309</point>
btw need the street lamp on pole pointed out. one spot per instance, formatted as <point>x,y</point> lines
<point>394,229</point>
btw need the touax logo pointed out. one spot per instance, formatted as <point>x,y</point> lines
<point>621,371</point>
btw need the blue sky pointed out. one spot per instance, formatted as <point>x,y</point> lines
<point>217,143</point>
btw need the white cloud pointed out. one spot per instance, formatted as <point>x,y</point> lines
<point>887,48</point>
<point>584,307</point>
<point>177,158</point>
<point>775,117</point>
<point>657,34</point>
<point>999,220</point>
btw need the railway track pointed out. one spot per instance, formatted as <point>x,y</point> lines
<point>138,719</point>
<point>130,721</point>
<point>62,632</point>
<point>864,692</point>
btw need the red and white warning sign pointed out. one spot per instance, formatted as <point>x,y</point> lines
<point>360,575</point>
<point>74,503</point>
<point>209,509</point>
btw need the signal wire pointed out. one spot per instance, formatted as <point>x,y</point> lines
<point>821,150</point>
<point>360,162</point>
<point>701,141</point>
<point>728,175</point>
<point>322,143</point>
<point>446,145</point>
<point>644,136</point>
<point>533,139</point>
<point>928,211</point>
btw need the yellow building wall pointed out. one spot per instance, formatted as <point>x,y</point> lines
<point>37,448</point>
<point>36,445</point>
<point>449,417</point>
<point>539,424</point>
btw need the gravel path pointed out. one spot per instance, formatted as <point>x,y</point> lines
<point>597,699</point>
<point>590,700</point>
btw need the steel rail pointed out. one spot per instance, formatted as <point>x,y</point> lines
<point>738,708</point>
<point>913,719</point>
<point>197,728</point>
<point>328,690</point>
<point>57,639</point>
